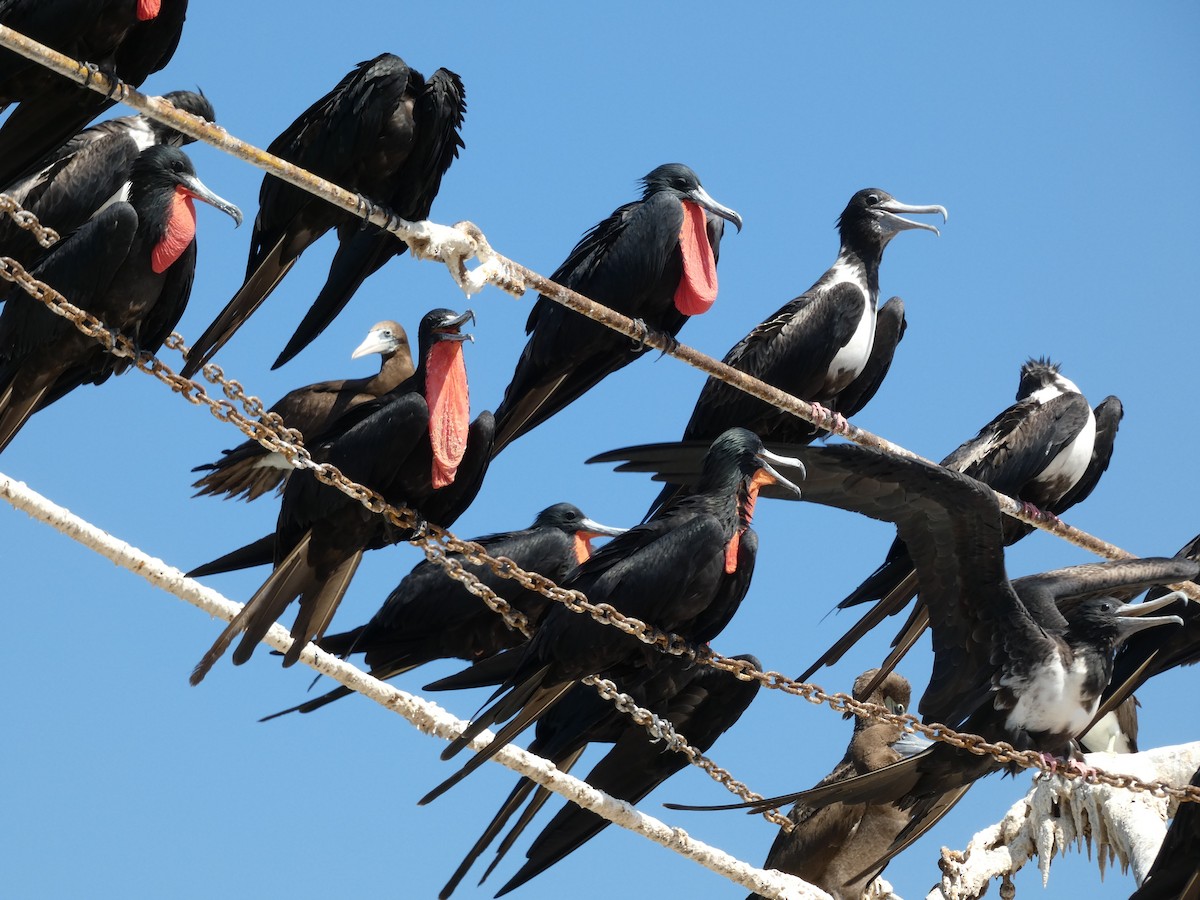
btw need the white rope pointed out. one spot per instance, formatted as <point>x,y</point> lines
<point>1123,825</point>
<point>426,716</point>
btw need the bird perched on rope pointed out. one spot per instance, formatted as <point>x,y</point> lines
<point>430,616</point>
<point>699,702</point>
<point>385,132</point>
<point>653,260</point>
<point>416,446</point>
<point>828,846</point>
<point>685,571</point>
<point>828,346</point>
<point>1048,450</point>
<point>250,470</point>
<point>1024,661</point>
<point>67,187</point>
<point>128,39</point>
<point>130,265</point>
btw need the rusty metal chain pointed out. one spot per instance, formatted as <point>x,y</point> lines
<point>437,543</point>
<point>47,237</point>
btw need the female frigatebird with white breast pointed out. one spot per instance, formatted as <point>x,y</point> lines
<point>654,260</point>
<point>126,38</point>
<point>1008,663</point>
<point>430,616</point>
<point>131,266</point>
<point>828,346</point>
<point>69,186</point>
<point>416,446</point>
<point>1047,450</point>
<point>383,132</point>
<point>685,571</point>
<point>250,470</point>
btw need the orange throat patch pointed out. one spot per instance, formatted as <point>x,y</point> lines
<point>583,548</point>
<point>449,409</point>
<point>181,231</point>
<point>697,288</point>
<point>745,515</point>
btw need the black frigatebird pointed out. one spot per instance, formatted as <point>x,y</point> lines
<point>1008,664</point>
<point>653,260</point>
<point>684,571</point>
<point>383,132</point>
<point>415,445</point>
<point>130,265</point>
<point>250,470</point>
<point>828,346</point>
<point>701,704</point>
<point>1175,874</point>
<point>126,38</point>
<point>70,185</point>
<point>828,846</point>
<point>429,616</point>
<point>1047,450</point>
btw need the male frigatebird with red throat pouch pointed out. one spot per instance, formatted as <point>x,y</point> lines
<point>383,132</point>
<point>92,169</point>
<point>416,446</point>
<point>829,346</point>
<point>654,260</point>
<point>250,470</point>
<point>126,38</point>
<point>685,571</point>
<point>130,265</point>
<point>430,616</point>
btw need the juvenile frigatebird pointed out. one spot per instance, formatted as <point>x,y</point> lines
<point>653,260</point>
<point>70,185</point>
<point>685,571</point>
<point>416,446</point>
<point>383,132</point>
<point>701,704</point>
<point>430,616</point>
<point>130,265</point>
<point>126,38</point>
<point>828,846</point>
<point>250,470</point>
<point>827,346</point>
<point>1175,874</point>
<point>1047,450</point>
<point>1008,664</point>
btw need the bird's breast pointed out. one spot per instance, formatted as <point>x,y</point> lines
<point>1058,698</point>
<point>1072,461</point>
<point>851,358</point>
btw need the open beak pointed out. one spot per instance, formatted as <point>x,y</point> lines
<point>892,222</point>
<point>1134,618</point>
<point>200,191</point>
<point>440,333</point>
<point>767,474</point>
<point>374,342</point>
<point>702,197</point>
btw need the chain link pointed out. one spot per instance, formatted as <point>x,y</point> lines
<point>437,543</point>
<point>47,237</point>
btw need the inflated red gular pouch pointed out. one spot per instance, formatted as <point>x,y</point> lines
<point>148,9</point>
<point>747,514</point>
<point>449,409</point>
<point>181,230</point>
<point>698,287</point>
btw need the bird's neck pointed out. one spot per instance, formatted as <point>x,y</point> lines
<point>860,267</point>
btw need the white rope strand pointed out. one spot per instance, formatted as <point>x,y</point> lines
<point>426,716</point>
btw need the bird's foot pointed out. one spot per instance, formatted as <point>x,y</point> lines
<point>837,422</point>
<point>1041,515</point>
<point>1084,771</point>
<point>114,83</point>
<point>366,208</point>
<point>1051,762</point>
<point>643,332</point>
<point>672,344</point>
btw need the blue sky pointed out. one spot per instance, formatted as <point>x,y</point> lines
<point>1061,137</point>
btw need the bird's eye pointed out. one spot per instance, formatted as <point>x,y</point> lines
<point>872,199</point>
<point>893,706</point>
<point>385,333</point>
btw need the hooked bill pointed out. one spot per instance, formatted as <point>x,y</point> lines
<point>449,410</point>
<point>181,230</point>
<point>698,286</point>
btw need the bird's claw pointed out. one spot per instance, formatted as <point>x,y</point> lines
<point>643,332</point>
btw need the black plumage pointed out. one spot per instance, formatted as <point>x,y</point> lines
<point>249,470</point>
<point>653,260</point>
<point>131,266</point>
<point>415,446</point>
<point>70,185</point>
<point>1048,450</point>
<point>127,38</point>
<point>430,616</point>
<point>385,132</point>
<point>685,571</point>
